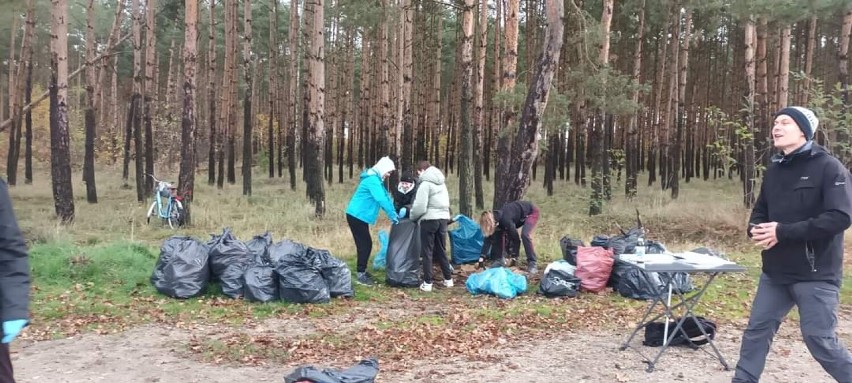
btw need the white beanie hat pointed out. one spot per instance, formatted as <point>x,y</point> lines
<point>384,166</point>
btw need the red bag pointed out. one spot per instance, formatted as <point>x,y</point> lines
<point>594,264</point>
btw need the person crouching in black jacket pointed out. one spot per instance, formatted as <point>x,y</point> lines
<point>803,208</point>
<point>403,196</point>
<point>500,228</point>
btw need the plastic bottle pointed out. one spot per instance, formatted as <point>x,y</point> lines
<point>640,246</point>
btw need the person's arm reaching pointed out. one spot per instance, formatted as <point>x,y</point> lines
<point>381,196</point>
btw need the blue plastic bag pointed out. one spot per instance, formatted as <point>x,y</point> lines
<point>380,260</point>
<point>498,281</point>
<point>466,241</point>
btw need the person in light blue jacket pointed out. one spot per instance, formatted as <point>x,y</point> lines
<point>363,209</point>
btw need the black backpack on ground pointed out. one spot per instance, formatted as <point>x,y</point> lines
<point>690,334</point>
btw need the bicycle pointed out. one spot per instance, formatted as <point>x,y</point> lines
<point>167,204</point>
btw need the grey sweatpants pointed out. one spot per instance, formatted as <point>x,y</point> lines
<point>817,303</point>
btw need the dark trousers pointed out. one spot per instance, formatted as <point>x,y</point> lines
<point>433,242</point>
<point>6,375</point>
<point>526,238</point>
<point>817,302</point>
<point>363,241</point>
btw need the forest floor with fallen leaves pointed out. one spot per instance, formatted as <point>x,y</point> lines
<point>416,339</point>
<point>96,318</point>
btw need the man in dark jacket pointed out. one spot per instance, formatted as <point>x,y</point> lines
<point>14,282</point>
<point>804,206</point>
<point>500,228</point>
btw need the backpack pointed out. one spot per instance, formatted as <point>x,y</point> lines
<point>689,334</point>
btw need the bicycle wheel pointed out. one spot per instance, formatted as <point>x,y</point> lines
<point>175,215</point>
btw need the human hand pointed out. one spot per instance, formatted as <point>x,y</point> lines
<point>11,329</point>
<point>765,235</point>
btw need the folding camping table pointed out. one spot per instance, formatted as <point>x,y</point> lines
<point>666,265</point>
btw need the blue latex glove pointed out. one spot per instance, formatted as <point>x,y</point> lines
<point>456,218</point>
<point>402,212</point>
<point>11,329</point>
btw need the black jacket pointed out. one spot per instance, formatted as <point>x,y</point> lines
<point>809,194</point>
<point>509,218</point>
<point>14,263</point>
<point>401,200</point>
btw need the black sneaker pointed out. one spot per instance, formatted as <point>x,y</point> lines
<point>531,268</point>
<point>496,263</point>
<point>365,279</point>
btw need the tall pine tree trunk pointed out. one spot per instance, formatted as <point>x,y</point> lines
<point>149,90</point>
<point>466,149</point>
<point>784,68</point>
<point>525,144</point>
<point>597,137</point>
<point>507,121</point>
<point>212,115</point>
<point>843,64</point>
<point>17,102</point>
<point>632,144</point>
<point>28,122</point>
<point>247,107</point>
<point>680,111</point>
<point>273,85</point>
<point>90,113</point>
<point>748,165</point>
<point>292,81</point>
<point>314,56</point>
<point>408,127</point>
<point>138,106</point>
<point>60,156</point>
<point>186,179</point>
<point>478,109</point>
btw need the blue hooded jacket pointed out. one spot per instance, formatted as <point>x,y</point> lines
<point>369,196</point>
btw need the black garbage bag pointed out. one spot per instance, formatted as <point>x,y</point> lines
<point>569,249</point>
<point>636,283</point>
<point>639,284</point>
<point>682,283</point>
<point>229,258</point>
<point>559,283</point>
<point>336,274</point>
<point>619,268</point>
<point>258,246</point>
<point>286,251</point>
<point>654,247</point>
<point>624,243</point>
<point>300,279</point>
<point>403,258</point>
<point>182,269</point>
<point>363,372</point>
<point>260,283</point>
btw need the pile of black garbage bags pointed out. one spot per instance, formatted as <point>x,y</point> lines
<point>257,270</point>
<point>629,281</point>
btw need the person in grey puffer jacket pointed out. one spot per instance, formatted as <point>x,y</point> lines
<point>431,209</point>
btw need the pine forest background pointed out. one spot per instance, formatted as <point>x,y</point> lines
<point>514,91</point>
